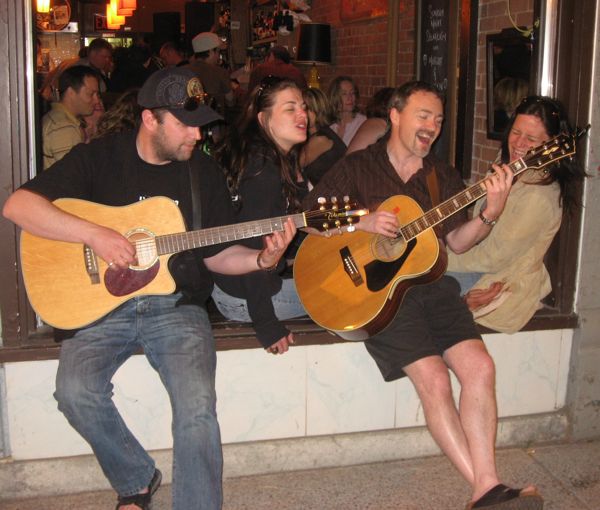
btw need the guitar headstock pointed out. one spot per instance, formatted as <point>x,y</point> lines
<point>550,152</point>
<point>332,214</point>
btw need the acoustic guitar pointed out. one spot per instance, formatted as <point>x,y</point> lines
<point>69,287</point>
<point>354,284</point>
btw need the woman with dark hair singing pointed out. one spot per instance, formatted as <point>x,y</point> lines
<point>504,276</point>
<point>260,158</point>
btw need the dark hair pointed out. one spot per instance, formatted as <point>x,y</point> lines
<point>567,172</point>
<point>280,53</point>
<point>203,55</point>
<point>248,137</point>
<point>379,104</point>
<point>401,94</point>
<point>171,46</point>
<point>73,77</point>
<point>335,94</point>
<point>99,44</point>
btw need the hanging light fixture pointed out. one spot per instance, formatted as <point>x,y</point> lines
<point>113,20</point>
<point>43,6</point>
<point>126,7</point>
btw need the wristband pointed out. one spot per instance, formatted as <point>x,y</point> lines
<point>489,223</point>
<point>260,266</point>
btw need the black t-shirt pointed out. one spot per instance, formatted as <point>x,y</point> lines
<point>109,171</point>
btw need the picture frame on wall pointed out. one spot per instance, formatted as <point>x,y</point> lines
<point>360,10</point>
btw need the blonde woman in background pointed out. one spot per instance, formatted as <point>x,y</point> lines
<point>343,95</point>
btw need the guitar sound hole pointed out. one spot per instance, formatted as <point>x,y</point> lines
<point>387,249</point>
<point>145,248</point>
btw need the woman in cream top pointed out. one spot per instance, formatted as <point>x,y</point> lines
<point>513,253</point>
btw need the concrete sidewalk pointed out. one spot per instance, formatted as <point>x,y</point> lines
<point>567,475</point>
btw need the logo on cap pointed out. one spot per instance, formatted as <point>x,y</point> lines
<point>194,88</point>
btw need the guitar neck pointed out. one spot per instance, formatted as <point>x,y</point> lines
<point>174,243</point>
<point>454,204</point>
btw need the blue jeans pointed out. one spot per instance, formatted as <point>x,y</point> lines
<point>465,280</point>
<point>286,303</point>
<point>179,345</point>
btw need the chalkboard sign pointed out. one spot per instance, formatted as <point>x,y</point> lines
<point>433,32</point>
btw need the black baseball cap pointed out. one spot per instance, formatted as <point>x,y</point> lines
<point>179,91</point>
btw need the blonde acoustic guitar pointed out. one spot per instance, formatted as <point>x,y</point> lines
<point>354,284</point>
<point>70,287</point>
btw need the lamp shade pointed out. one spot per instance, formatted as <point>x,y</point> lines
<point>113,21</point>
<point>126,7</point>
<point>314,43</point>
<point>43,6</point>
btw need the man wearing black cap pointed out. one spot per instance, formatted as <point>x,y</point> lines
<point>160,158</point>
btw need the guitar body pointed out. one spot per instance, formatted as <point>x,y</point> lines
<point>353,284</point>
<point>59,285</point>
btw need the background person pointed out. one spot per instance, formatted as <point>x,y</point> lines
<point>376,125</point>
<point>278,62</point>
<point>323,147</point>
<point>215,80</point>
<point>123,115</point>
<point>98,56</point>
<point>171,55</point>
<point>343,96</point>
<point>62,126</point>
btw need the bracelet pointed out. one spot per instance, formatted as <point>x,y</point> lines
<point>260,266</point>
<point>489,223</point>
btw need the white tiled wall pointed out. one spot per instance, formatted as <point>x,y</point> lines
<point>312,390</point>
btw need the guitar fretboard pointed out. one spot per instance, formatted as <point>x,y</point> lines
<point>174,243</point>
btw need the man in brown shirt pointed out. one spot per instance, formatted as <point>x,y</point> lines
<point>433,331</point>
<point>277,63</point>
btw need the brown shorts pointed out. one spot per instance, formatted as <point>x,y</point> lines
<point>431,319</point>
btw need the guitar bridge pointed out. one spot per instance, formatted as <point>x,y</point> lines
<point>350,267</point>
<point>91,264</point>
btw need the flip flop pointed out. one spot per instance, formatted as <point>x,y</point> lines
<point>502,497</point>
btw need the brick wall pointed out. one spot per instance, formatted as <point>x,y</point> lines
<point>493,17</point>
<point>359,49</point>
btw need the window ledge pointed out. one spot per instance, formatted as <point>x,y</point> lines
<point>235,336</point>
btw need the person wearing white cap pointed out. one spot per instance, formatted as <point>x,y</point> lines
<point>215,79</point>
<point>160,158</point>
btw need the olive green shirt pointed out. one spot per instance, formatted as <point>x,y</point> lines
<point>61,131</point>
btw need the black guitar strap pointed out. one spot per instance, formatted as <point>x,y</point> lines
<point>196,205</point>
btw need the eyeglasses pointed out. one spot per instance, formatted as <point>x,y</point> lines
<point>190,104</point>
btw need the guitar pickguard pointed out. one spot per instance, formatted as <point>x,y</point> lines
<point>121,282</point>
<point>379,273</point>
